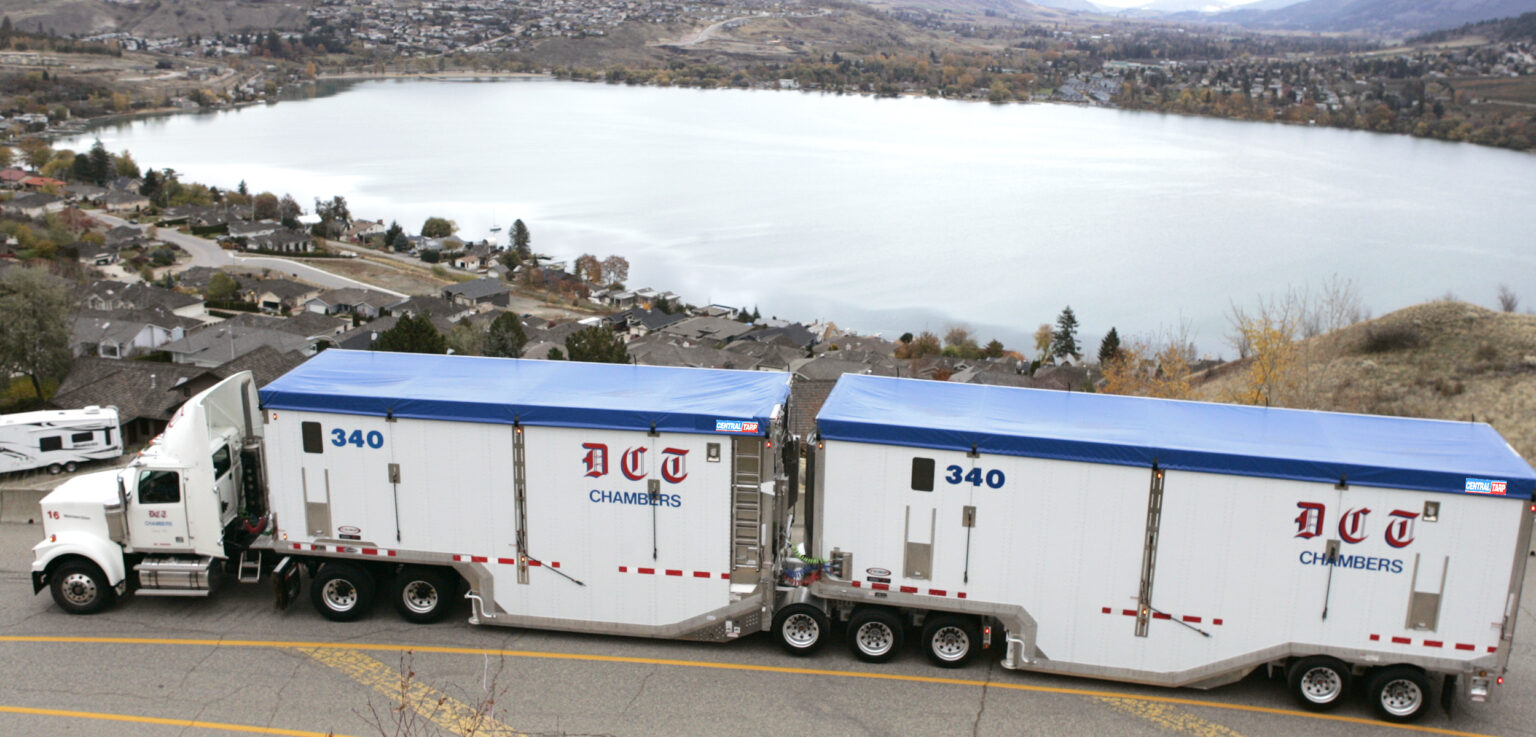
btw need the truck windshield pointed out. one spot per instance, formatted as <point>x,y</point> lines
<point>159,487</point>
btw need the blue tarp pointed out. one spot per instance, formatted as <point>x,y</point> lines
<point>552,393</point>
<point>1396,452</point>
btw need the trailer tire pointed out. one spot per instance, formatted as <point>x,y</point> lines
<point>55,469</point>
<point>79,587</point>
<point>423,595</point>
<point>801,629</point>
<point>341,592</point>
<point>1399,693</point>
<point>950,640</point>
<point>874,634</point>
<point>1318,682</point>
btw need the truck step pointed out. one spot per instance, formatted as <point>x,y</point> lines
<point>250,567</point>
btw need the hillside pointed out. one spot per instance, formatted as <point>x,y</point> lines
<point>152,18</point>
<point>1380,17</point>
<point>1443,360</point>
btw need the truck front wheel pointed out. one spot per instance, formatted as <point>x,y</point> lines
<point>950,640</point>
<point>341,592</point>
<point>874,634</point>
<point>801,628</point>
<point>79,587</point>
<point>423,595</point>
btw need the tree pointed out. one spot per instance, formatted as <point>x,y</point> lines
<point>80,170</point>
<point>520,238</point>
<point>615,270</point>
<point>1508,300</point>
<point>39,317</point>
<point>436,227</point>
<point>506,338</point>
<point>465,339</point>
<point>101,166</point>
<point>589,269</point>
<point>555,355</point>
<point>35,151</point>
<point>596,344</point>
<point>993,349</point>
<point>288,211</point>
<point>222,287</point>
<point>1109,347</point>
<point>7,157</point>
<point>412,334</point>
<point>124,166</point>
<point>959,343</point>
<point>394,232</point>
<point>925,344</point>
<point>265,206</point>
<point>1064,341</point>
<point>335,218</point>
<point>1044,336</point>
<point>1271,374</point>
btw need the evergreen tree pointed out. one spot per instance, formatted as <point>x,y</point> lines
<point>102,168</point>
<point>412,334</point>
<point>596,344</point>
<point>506,337</point>
<point>520,238</point>
<point>1109,348</point>
<point>1064,339</point>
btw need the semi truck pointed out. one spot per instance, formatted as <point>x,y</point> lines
<point>59,439</point>
<point>1148,541</point>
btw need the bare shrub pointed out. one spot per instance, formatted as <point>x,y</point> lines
<point>1486,352</point>
<point>1389,338</point>
<point>1508,301</point>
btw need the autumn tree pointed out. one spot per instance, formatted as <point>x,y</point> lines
<point>1271,375</point>
<point>615,270</point>
<point>959,343</point>
<point>506,337</point>
<point>925,344</point>
<point>264,207</point>
<point>35,151</point>
<point>412,334</point>
<point>124,166</point>
<point>1157,366</point>
<point>7,157</point>
<point>1044,337</point>
<point>39,316</point>
<point>589,268</point>
<point>1064,338</point>
<point>596,344</point>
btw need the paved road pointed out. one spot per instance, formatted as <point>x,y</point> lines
<point>160,667</point>
<point>204,252</point>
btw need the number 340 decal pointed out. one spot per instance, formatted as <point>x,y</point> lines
<point>341,439</point>
<point>975,477</point>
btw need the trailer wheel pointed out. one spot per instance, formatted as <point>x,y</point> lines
<point>950,640</point>
<point>79,587</point>
<point>423,595</point>
<point>70,467</point>
<point>55,469</point>
<point>801,628</point>
<point>1399,693</point>
<point>341,592</point>
<point>874,634</point>
<point>1319,682</point>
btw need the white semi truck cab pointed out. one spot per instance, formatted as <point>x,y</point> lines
<point>187,504</point>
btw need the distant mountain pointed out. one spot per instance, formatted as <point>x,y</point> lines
<point>1077,6</point>
<point>1381,17</point>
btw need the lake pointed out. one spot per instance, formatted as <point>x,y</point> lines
<point>893,215</point>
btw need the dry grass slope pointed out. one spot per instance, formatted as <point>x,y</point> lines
<point>1443,360</point>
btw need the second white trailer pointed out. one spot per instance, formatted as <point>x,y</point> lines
<point>1172,543</point>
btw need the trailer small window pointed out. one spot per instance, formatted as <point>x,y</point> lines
<point>53,442</point>
<point>314,441</point>
<point>221,462</point>
<point>922,474</point>
<point>159,487</point>
<point>81,438</point>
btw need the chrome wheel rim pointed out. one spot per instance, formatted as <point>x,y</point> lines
<point>340,594</point>
<point>951,643</point>
<point>1321,685</point>
<point>1401,697</point>
<point>420,597</point>
<point>79,589</point>
<point>801,630</point>
<point>875,638</point>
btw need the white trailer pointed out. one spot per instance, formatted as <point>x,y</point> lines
<point>1167,542</point>
<point>605,498</point>
<point>59,440</point>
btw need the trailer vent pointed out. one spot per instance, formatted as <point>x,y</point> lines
<point>922,474</point>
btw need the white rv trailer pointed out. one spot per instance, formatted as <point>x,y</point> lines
<point>1172,543</point>
<point>59,439</point>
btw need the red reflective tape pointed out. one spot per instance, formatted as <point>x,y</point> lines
<point>646,571</point>
<point>1402,641</point>
<point>479,559</point>
<point>1107,610</point>
<point>937,592</point>
<point>1128,612</point>
<point>1216,622</point>
<point>532,562</point>
<point>297,546</point>
<point>881,587</point>
<point>1188,618</point>
<point>909,589</point>
<point>701,574</point>
<point>458,558</point>
<point>1375,638</point>
<point>1434,643</point>
<point>623,569</point>
<point>961,594</point>
<point>370,551</point>
<point>674,572</point>
<point>727,575</point>
<point>390,553</point>
<point>1492,649</point>
<point>856,584</point>
<point>1465,646</point>
<point>1160,615</point>
<point>555,564</point>
<point>507,561</point>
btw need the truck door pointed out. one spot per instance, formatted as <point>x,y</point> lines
<point>157,513</point>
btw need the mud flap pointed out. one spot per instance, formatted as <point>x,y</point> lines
<point>1448,693</point>
<point>285,582</point>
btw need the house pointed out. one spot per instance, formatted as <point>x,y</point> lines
<point>280,295</point>
<point>638,323</point>
<point>362,229</point>
<point>311,325</point>
<point>42,183</point>
<point>93,254</point>
<point>478,292</point>
<point>34,205</point>
<point>434,307</point>
<point>126,333</point>
<point>124,201</point>
<point>247,229</point>
<point>706,329</point>
<point>12,178</point>
<point>145,393</point>
<point>217,344</point>
<point>282,240</point>
<point>108,295</point>
<point>365,303</point>
<point>85,193</point>
<point>795,335</point>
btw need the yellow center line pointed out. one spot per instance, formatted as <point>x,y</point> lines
<point>446,650</point>
<point>433,705</point>
<point>183,723</point>
<point>1172,718</point>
